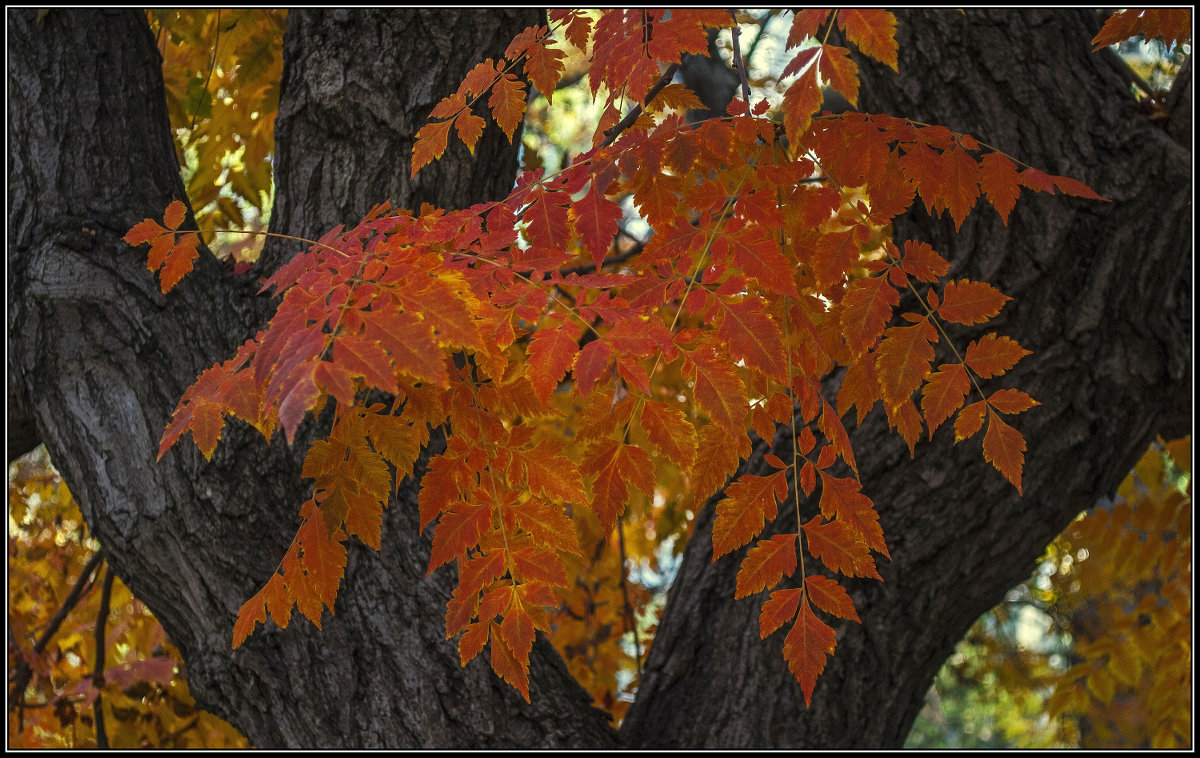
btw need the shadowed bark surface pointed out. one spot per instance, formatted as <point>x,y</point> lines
<point>98,359</point>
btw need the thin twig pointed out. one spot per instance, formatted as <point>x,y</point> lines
<point>629,619</point>
<point>23,674</point>
<point>613,132</point>
<point>212,65</point>
<point>98,671</point>
<point>739,65</point>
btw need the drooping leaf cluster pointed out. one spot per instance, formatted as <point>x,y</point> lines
<point>573,372</point>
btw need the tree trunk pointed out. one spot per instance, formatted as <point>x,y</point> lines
<point>98,358</point>
<point>1102,298</point>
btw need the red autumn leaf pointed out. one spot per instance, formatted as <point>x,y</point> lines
<point>968,302</point>
<point>944,394</point>
<point>831,597</point>
<point>872,31</point>
<point>840,548</point>
<point>430,144</point>
<point>469,128</point>
<point>718,390</point>
<point>779,609</point>
<point>960,174</point>
<point>840,70</point>
<point>903,358</point>
<point>547,524</point>
<point>1000,182</point>
<point>508,666</point>
<point>992,355</point>
<point>458,529</point>
<point>590,364</point>
<point>749,504</point>
<point>548,474</point>
<point>543,66</point>
<point>596,222</point>
<point>921,261</point>
<point>670,432</point>
<point>753,337</point>
<point>865,310</point>
<point>617,468</point>
<point>806,647</point>
<point>1004,448</point>
<point>1011,401</point>
<point>969,420</point>
<point>508,104</point>
<point>765,564</point>
<point>551,352</point>
<point>805,24</point>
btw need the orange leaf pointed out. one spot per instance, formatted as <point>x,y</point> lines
<point>840,70</point>
<point>670,432</point>
<point>1173,25</point>
<point>765,564</point>
<point>969,420</point>
<point>1011,401</point>
<point>805,24</point>
<point>1004,448</point>
<point>590,364</point>
<point>472,642</point>
<point>968,302</point>
<point>596,222</point>
<point>179,261</point>
<point>831,597</point>
<point>921,261</point>
<point>800,102</point>
<point>508,666</point>
<point>458,529</point>
<point>548,524</point>
<point>716,460</point>
<point>718,390</point>
<point>944,394</point>
<point>873,32</point>
<point>960,173</point>
<point>778,610</point>
<point>617,467</point>
<point>864,312</point>
<point>430,144</point>
<point>749,503</point>
<point>549,474</point>
<point>903,358</point>
<point>807,646</point>
<point>173,216</point>
<point>841,497</point>
<point>144,231</point>
<point>543,66</point>
<point>537,565</point>
<point>551,352</point>
<point>507,102</point>
<point>753,338</point>
<point>992,355</point>
<point>840,548</point>
<point>999,180</point>
<point>469,127</point>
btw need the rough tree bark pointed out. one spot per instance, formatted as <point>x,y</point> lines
<point>98,358</point>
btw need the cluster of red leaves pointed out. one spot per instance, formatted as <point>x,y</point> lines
<point>768,268</point>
